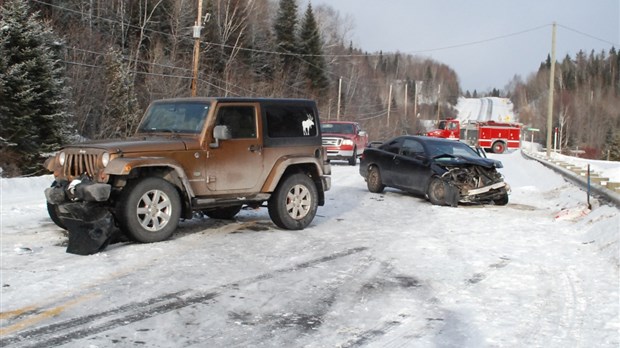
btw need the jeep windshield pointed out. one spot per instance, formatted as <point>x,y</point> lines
<point>175,117</point>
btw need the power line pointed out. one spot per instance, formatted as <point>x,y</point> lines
<point>587,35</point>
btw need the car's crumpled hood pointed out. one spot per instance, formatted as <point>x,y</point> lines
<point>462,160</point>
<point>141,144</point>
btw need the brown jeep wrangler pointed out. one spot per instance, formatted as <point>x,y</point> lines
<point>212,155</point>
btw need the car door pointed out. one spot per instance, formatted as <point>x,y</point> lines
<point>386,160</point>
<point>411,167</point>
<point>237,163</point>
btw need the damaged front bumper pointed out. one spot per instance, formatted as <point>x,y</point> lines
<point>78,190</point>
<point>486,193</point>
<point>81,209</point>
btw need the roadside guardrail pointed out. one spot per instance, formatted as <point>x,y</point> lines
<point>596,184</point>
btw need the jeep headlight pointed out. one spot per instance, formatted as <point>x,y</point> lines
<point>61,158</point>
<point>347,142</point>
<point>105,159</point>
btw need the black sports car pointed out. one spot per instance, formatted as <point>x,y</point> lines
<point>446,171</point>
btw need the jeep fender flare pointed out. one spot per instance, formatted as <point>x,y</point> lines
<point>124,166</point>
<point>293,164</point>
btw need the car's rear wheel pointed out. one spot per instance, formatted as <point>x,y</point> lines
<point>353,159</point>
<point>437,191</point>
<point>374,181</point>
<point>498,147</point>
<point>149,210</point>
<point>294,203</point>
<point>224,213</point>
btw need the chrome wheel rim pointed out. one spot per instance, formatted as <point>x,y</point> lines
<point>154,210</point>
<point>298,202</point>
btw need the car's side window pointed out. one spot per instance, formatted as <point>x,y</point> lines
<point>241,121</point>
<point>412,148</point>
<point>393,147</point>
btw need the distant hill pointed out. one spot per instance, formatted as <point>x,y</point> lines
<point>485,109</point>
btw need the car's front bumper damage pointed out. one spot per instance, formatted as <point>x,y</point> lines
<point>83,210</point>
<point>487,193</point>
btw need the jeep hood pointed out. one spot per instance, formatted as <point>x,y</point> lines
<point>141,144</point>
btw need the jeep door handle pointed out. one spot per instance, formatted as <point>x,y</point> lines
<point>254,148</point>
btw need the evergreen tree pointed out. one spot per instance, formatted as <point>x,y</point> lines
<point>286,33</point>
<point>312,53</point>
<point>122,112</point>
<point>33,99</point>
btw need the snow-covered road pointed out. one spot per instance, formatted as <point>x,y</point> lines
<point>372,270</point>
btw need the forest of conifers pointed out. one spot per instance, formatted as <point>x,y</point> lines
<point>109,58</point>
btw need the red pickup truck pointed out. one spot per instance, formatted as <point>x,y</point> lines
<point>343,140</point>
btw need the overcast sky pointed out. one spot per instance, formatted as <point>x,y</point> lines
<point>486,42</point>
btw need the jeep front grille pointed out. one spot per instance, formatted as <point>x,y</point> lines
<point>328,141</point>
<point>77,164</point>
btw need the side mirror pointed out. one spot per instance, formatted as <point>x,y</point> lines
<point>221,132</point>
<point>362,133</point>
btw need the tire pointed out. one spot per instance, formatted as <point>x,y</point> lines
<point>498,147</point>
<point>436,191</point>
<point>140,218</point>
<point>52,211</point>
<point>503,200</point>
<point>373,182</point>
<point>294,203</point>
<point>223,213</point>
<point>353,159</point>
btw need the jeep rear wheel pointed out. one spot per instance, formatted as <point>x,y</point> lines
<point>293,204</point>
<point>149,210</point>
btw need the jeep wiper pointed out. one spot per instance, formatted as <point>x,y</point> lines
<point>160,130</point>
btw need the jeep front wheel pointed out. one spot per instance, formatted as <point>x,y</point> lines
<point>293,204</point>
<point>149,210</point>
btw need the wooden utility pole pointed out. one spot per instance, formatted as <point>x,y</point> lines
<point>406,118</point>
<point>551,87</point>
<point>339,94</point>
<point>197,29</point>
<point>438,102</point>
<point>389,106</point>
<point>415,101</point>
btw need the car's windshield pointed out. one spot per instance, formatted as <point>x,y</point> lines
<point>341,128</point>
<point>452,149</point>
<point>176,117</point>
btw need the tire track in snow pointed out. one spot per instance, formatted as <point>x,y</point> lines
<point>81,327</point>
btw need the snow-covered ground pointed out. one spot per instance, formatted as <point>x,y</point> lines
<point>485,109</point>
<point>372,270</point>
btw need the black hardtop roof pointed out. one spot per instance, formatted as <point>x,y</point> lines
<point>264,100</point>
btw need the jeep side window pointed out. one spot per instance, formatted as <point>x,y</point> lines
<point>285,121</point>
<point>241,121</point>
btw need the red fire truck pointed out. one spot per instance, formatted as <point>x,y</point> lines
<point>491,135</point>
